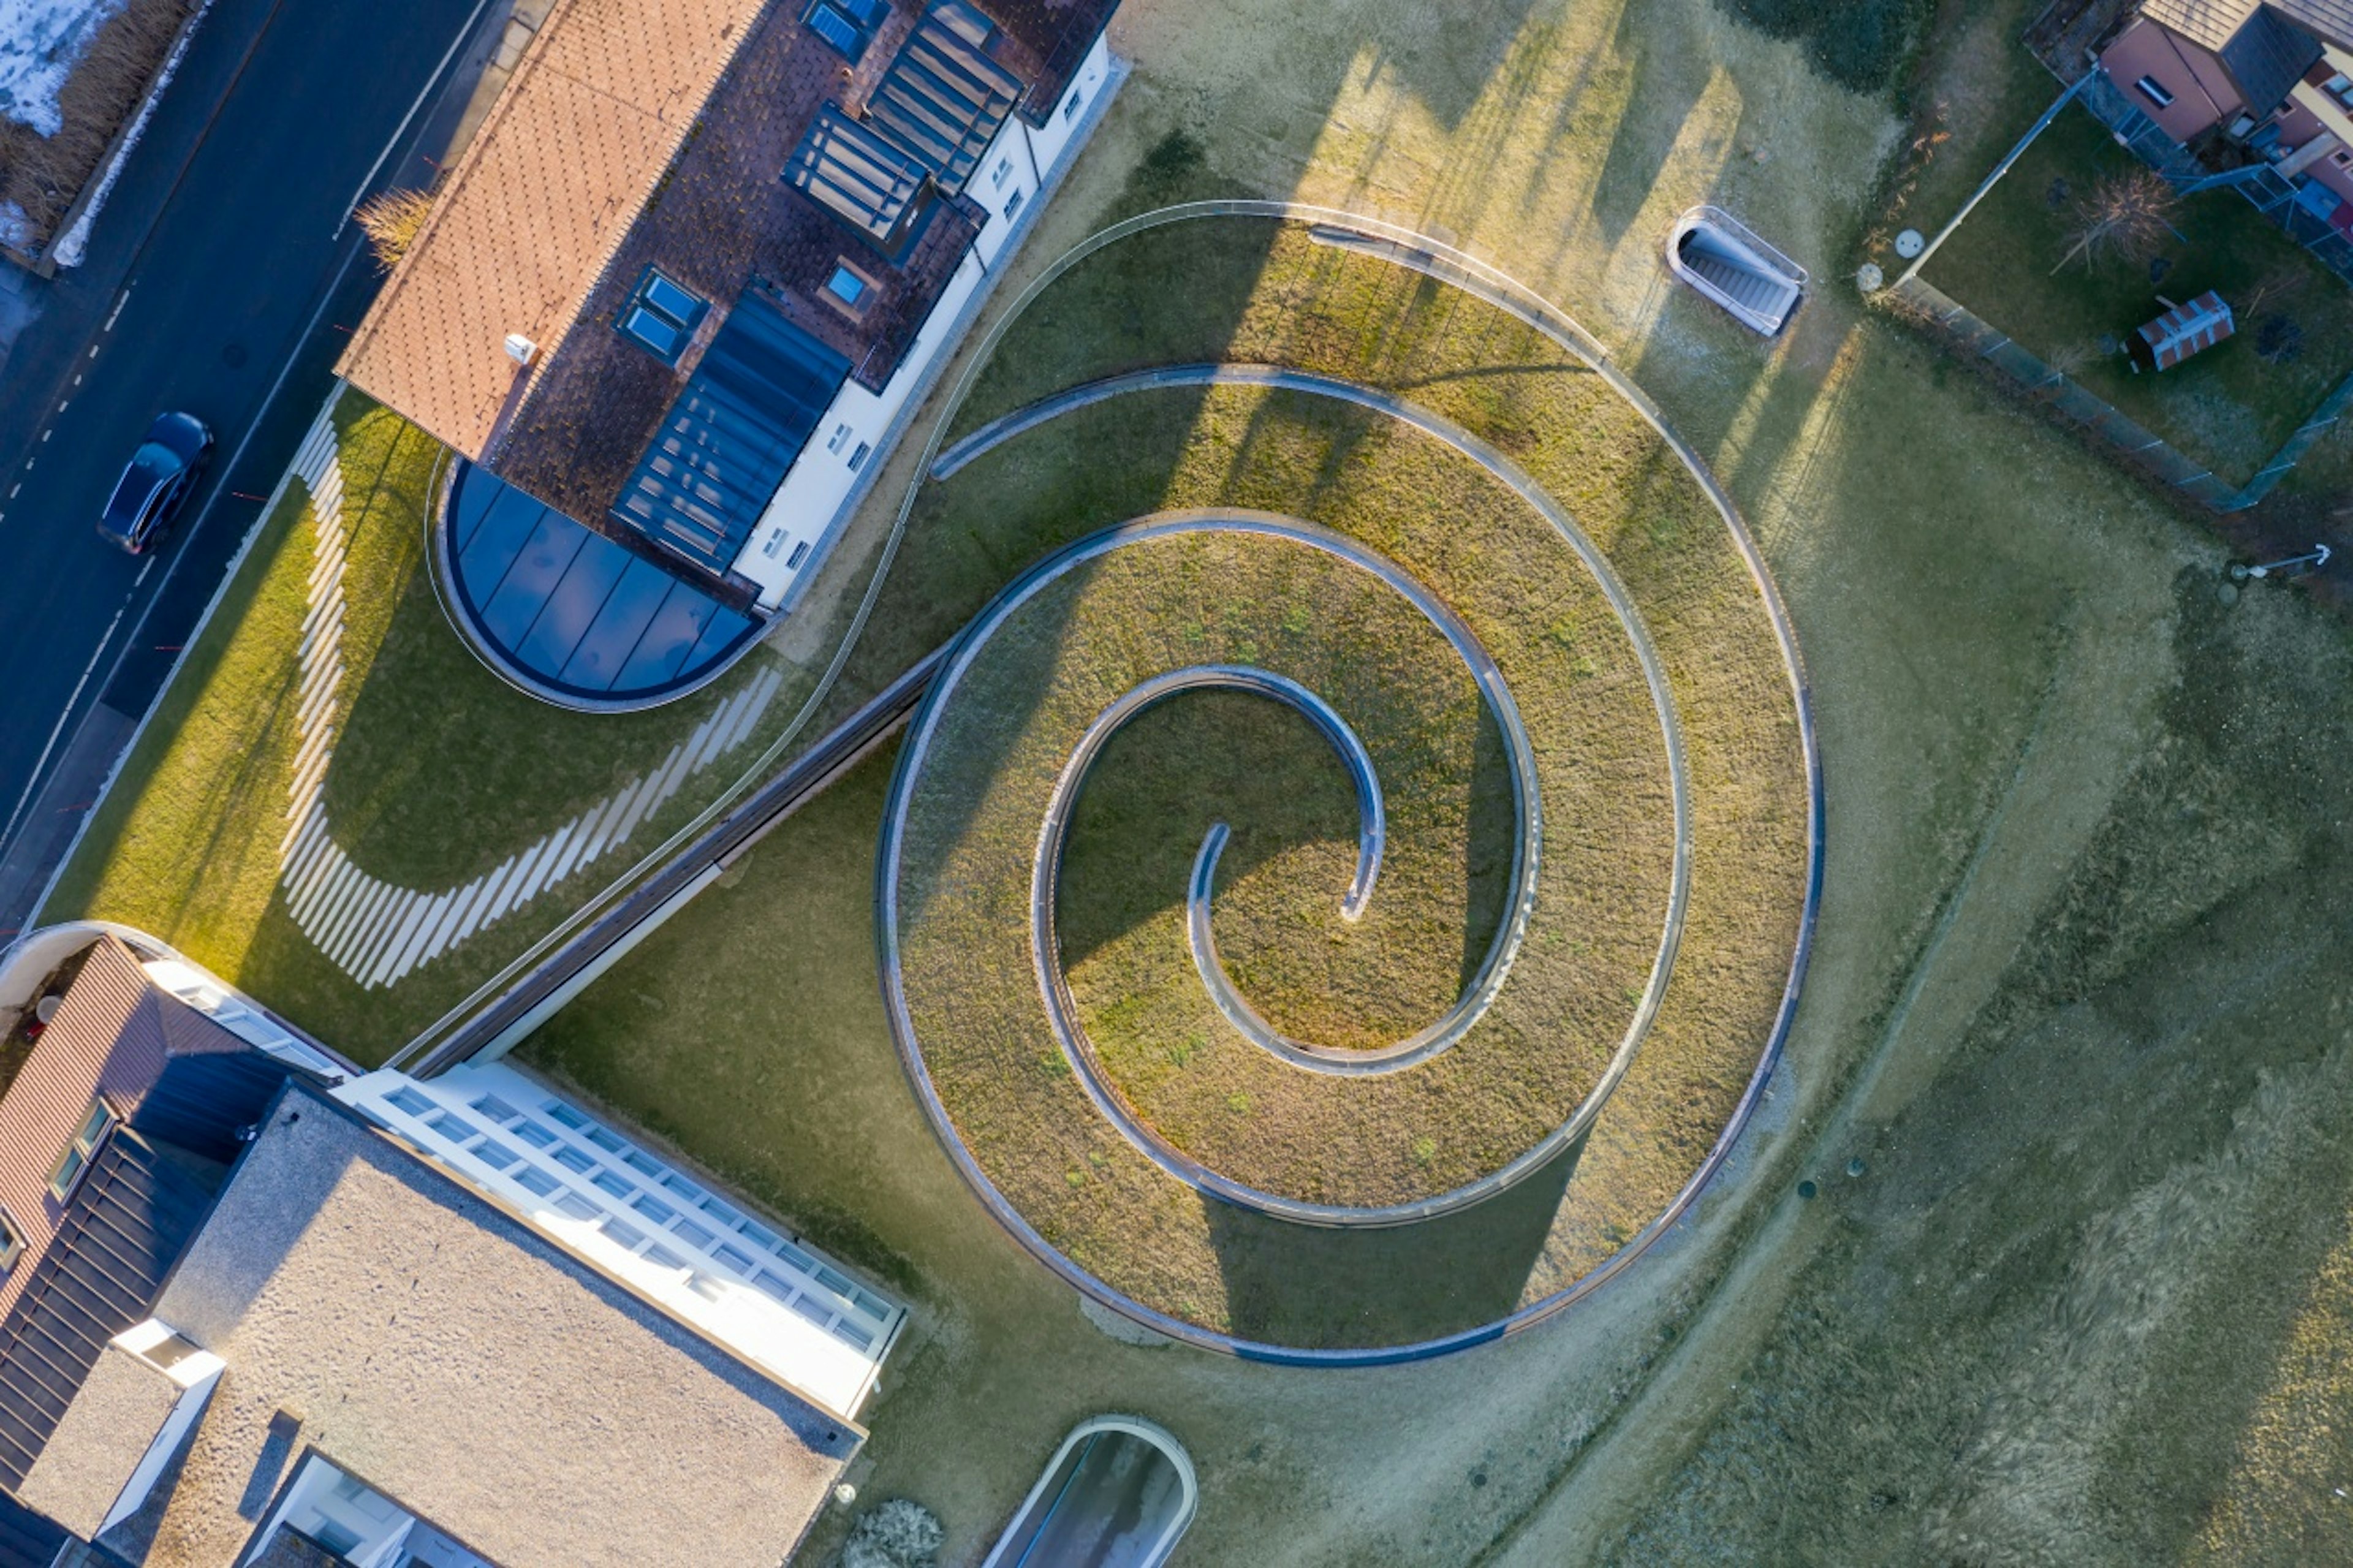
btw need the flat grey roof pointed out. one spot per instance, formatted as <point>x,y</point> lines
<point>425,1340</point>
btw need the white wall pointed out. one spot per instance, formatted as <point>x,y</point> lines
<point>795,528</point>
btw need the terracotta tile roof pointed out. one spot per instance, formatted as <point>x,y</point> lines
<point>112,1036</point>
<point>2211,24</point>
<point>585,174</point>
<point>551,183</point>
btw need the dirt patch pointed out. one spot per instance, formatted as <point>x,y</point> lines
<point>43,175</point>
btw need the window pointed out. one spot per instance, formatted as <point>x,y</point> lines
<point>81,1149</point>
<point>847,24</point>
<point>661,315</point>
<point>775,542</point>
<point>2340,88</point>
<point>410,1101</point>
<point>2154,91</point>
<point>834,442</point>
<point>846,286</point>
<point>12,1242</point>
<point>858,459</point>
<point>1071,109</point>
<point>537,1182</point>
<point>997,176</point>
<point>496,1109</point>
<point>572,1159</point>
<point>1013,204</point>
<point>800,553</point>
<point>455,1129</point>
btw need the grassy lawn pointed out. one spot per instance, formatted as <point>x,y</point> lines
<point>1529,601</point>
<point>441,773</point>
<point>2229,408</point>
<point>1242,1112</point>
<point>2076,999</point>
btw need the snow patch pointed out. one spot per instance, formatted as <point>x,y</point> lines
<point>41,41</point>
<point>15,227</point>
<point>74,243</point>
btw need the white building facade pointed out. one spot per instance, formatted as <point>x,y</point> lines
<point>825,484</point>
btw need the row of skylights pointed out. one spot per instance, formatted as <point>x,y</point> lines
<point>670,1221</point>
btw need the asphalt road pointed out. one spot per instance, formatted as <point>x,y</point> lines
<point>221,279</point>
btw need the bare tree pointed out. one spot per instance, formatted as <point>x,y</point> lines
<point>2124,217</point>
<point>2279,283</point>
<point>391,220</point>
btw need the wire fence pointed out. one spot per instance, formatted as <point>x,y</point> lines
<point>2039,383</point>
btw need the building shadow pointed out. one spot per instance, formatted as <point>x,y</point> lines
<point>1345,1289</point>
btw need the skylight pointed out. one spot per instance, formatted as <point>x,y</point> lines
<point>661,315</point>
<point>847,24</point>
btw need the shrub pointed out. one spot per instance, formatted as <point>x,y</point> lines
<point>392,220</point>
<point>897,1534</point>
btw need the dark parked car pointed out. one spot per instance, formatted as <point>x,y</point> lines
<point>158,479</point>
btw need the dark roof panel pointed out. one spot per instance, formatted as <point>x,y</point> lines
<point>2268,57</point>
<point>944,98</point>
<point>122,1229</point>
<point>866,179</point>
<point>27,1539</point>
<point>727,443</point>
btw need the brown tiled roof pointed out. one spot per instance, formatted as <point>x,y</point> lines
<point>585,174</point>
<point>723,219</point>
<point>551,183</point>
<point>112,1036</point>
<point>1057,35</point>
<point>2211,24</point>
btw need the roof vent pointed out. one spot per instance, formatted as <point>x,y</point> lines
<point>520,349</point>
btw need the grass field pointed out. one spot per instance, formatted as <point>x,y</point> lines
<point>2229,408</point>
<point>2074,1003</point>
<point>440,769</point>
<point>2078,1001</point>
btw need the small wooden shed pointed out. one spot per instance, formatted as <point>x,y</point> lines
<point>2181,331</point>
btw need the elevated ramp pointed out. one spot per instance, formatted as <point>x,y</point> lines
<point>1711,251</point>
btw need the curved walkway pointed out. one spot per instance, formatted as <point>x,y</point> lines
<point>1045,947</point>
<point>375,931</point>
<point>1434,258</point>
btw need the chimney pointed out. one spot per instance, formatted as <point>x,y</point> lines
<point>520,349</point>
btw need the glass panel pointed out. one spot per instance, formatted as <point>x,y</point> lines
<point>693,1234</point>
<point>612,1183</point>
<point>681,1187</point>
<point>604,1139</point>
<point>497,1156</point>
<point>663,1256</point>
<point>853,1334</point>
<point>559,1111</point>
<point>643,1164</point>
<point>455,1129</point>
<point>761,1234</point>
<point>572,1159</point>
<point>653,1208</point>
<point>718,1209</point>
<point>846,286</point>
<point>496,1109</point>
<point>532,1133</point>
<point>653,332</point>
<point>815,1311</point>
<point>739,1261</point>
<point>536,1181</point>
<point>623,1232</point>
<point>774,1285</point>
<point>836,1283</point>
<point>576,1205</point>
<point>672,301</point>
<point>410,1101</point>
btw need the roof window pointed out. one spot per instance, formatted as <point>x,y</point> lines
<point>846,286</point>
<point>81,1149</point>
<point>2155,92</point>
<point>661,315</point>
<point>12,1242</point>
<point>847,24</point>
